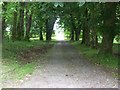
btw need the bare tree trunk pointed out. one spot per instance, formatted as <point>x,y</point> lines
<point>94,40</point>
<point>49,27</point>
<point>72,34</point>
<point>20,27</point>
<point>86,35</point>
<point>14,29</point>
<point>109,27</point>
<point>77,34</point>
<point>28,22</point>
<point>83,37</point>
<point>107,44</point>
<point>73,27</point>
<point>86,30</point>
<point>28,26</point>
<point>41,35</point>
<point>3,18</point>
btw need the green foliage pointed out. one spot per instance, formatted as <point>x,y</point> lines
<point>43,10</point>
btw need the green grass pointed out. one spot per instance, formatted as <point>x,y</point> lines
<point>107,61</point>
<point>12,65</point>
<point>23,71</point>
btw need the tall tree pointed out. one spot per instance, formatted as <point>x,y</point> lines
<point>49,26</point>
<point>86,30</point>
<point>3,18</point>
<point>28,21</point>
<point>20,26</point>
<point>93,22</point>
<point>108,32</point>
<point>14,29</point>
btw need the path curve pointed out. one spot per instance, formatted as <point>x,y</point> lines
<point>65,68</point>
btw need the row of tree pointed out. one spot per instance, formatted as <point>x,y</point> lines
<point>22,18</point>
<point>87,21</point>
<point>93,20</point>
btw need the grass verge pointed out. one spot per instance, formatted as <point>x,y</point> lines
<point>106,61</point>
<point>20,58</point>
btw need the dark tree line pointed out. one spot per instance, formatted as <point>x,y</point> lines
<point>95,19</point>
<point>86,21</point>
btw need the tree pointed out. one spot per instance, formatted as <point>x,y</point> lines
<point>108,32</point>
<point>3,18</point>
<point>92,19</point>
<point>14,29</point>
<point>86,29</point>
<point>28,21</point>
<point>20,24</point>
<point>49,26</point>
<point>93,23</point>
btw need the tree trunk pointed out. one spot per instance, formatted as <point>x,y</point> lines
<point>86,30</point>
<point>72,34</point>
<point>83,36</point>
<point>41,35</point>
<point>108,27</point>
<point>48,31</point>
<point>77,34</point>
<point>94,41</point>
<point>20,26</point>
<point>86,35</point>
<point>73,27</point>
<point>14,29</point>
<point>28,22</point>
<point>28,26</point>
<point>49,27</point>
<point>3,18</point>
<point>107,44</point>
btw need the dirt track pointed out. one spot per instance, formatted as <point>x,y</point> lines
<point>65,68</point>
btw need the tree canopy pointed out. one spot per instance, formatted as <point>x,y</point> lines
<point>86,22</point>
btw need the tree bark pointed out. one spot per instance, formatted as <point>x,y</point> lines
<point>49,27</point>
<point>72,34</point>
<point>109,27</point>
<point>83,36</point>
<point>41,35</point>
<point>86,35</point>
<point>94,39</point>
<point>77,34</point>
<point>28,22</point>
<point>20,27</point>
<point>14,29</point>
<point>3,18</point>
<point>73,27</point>
<point>86,30</point>
<point>107,44</point>
<point>28,26</point>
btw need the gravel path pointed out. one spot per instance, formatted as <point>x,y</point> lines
<point>65,68</point>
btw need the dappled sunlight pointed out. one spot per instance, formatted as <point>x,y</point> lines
<point>59,32</point>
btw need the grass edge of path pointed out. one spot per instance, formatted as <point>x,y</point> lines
<point>12,68</point>
<point>108,62</point>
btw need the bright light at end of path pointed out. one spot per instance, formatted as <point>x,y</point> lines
<point>59,32</point>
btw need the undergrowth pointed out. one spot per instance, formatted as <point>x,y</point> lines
<point>14,65</point>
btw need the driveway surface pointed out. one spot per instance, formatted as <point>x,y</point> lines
<point>64,67</point>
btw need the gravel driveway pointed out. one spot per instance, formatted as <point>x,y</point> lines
<point>65,68</point>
